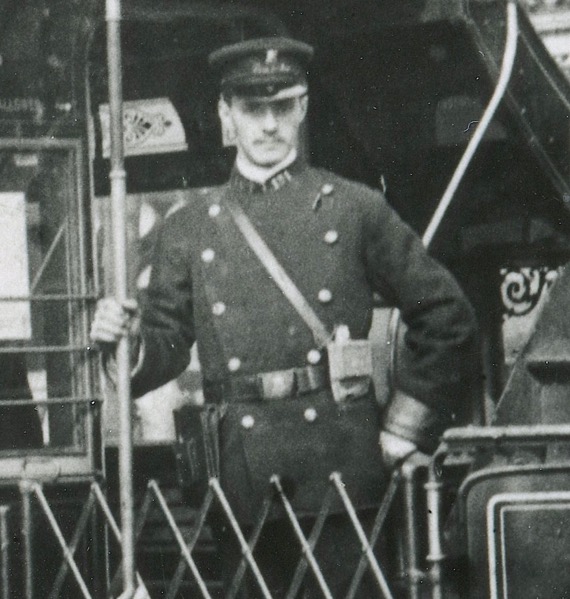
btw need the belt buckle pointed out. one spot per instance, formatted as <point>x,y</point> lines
<point>277,385</point>
<point>310,378</point>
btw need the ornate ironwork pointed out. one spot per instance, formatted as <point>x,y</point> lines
<point>522,288</point>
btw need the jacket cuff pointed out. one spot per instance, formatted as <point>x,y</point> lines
<point>411,419</point>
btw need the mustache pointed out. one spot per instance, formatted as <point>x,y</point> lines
<point>269,138</point>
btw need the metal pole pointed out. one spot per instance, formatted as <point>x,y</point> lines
<point>435,556</point>
<point>117,177</point>
<point>415,576</point>
<point>5,551</point>
<point>27,540</point>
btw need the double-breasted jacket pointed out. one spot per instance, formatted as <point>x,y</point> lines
<point>341,243</point>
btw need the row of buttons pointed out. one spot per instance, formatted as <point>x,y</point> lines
<point>313,357</point>
<point>219,308</point>
<point>324,295</point>
<point>248,421</point>
<point>209,254</point>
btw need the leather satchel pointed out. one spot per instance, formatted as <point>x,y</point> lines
<point>197,451</point>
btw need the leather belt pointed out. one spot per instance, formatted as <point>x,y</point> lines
<point>278,384</point>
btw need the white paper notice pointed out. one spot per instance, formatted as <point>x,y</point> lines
<point>15,316</point>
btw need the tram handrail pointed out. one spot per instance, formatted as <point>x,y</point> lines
<point>505,73</point>
<point>117,177</point>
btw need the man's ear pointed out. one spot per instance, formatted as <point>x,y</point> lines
<point>224,111</point>
<point>304,103</point>
<point>226,120</point>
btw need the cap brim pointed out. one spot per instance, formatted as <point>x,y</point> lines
<point>260,92</point>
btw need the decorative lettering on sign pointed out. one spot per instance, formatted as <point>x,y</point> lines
<point>150,126</point>
<point>140,125</point>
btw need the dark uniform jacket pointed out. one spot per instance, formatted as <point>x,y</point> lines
<point>340,242</point>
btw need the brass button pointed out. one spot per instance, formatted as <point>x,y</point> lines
<point>214,210</point>
<point>218,308</point>
<point>248,421</point>
<point>331,236</point>
<point>327,189</point>
<point>314,356</point>
<point>310,414</point>
<point>325,296</point>
<point>234,364</point>
<point>208,255</point>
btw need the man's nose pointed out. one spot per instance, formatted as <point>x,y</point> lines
<point>269,120</point>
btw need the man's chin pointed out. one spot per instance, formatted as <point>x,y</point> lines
<point>266,162</point>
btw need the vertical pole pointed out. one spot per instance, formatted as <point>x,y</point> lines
<point>5,551</point>
<point>27,540</point>
<point>410,472</point>
<point>435,556</point>
<point>117,177</point>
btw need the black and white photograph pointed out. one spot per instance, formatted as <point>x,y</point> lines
<point>284,311</point>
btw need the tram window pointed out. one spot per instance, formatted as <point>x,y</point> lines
<point>45,370</point>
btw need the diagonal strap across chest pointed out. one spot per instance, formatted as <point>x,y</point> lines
<point>274,268</point>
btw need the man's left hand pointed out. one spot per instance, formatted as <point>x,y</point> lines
<point>395,449</point>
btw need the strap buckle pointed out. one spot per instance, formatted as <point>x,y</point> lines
<point>295,381</point>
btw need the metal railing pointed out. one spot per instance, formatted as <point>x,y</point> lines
<point>73,571</point>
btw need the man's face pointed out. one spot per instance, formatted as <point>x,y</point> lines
<point>265,131</point>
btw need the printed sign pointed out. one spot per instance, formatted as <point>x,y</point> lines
<point>149,127</point>
<point>15,316</point>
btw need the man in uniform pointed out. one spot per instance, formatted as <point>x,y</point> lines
<point>339,242</point>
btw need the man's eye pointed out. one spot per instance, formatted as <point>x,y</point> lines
<point>284,106</point>
<point>279,108</point>
<point>253,108</point>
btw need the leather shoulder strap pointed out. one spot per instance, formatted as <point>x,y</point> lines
<point>277,272</point>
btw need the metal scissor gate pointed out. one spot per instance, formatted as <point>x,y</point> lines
<point>75,578</point>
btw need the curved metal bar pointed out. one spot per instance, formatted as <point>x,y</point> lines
<point>500,89</point>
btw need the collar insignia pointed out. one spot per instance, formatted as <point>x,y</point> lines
<point>271,56</point>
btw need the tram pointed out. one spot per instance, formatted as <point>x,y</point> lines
<point>453,108</point>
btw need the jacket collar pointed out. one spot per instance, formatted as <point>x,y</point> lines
<point>275,182</point>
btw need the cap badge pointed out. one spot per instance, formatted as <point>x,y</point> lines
<point>271,56</point>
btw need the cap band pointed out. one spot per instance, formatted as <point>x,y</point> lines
<point>268,64</point>
<point>256,70</point>
<point>268,93</point>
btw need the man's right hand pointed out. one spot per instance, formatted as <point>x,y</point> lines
<point>114,320</point>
